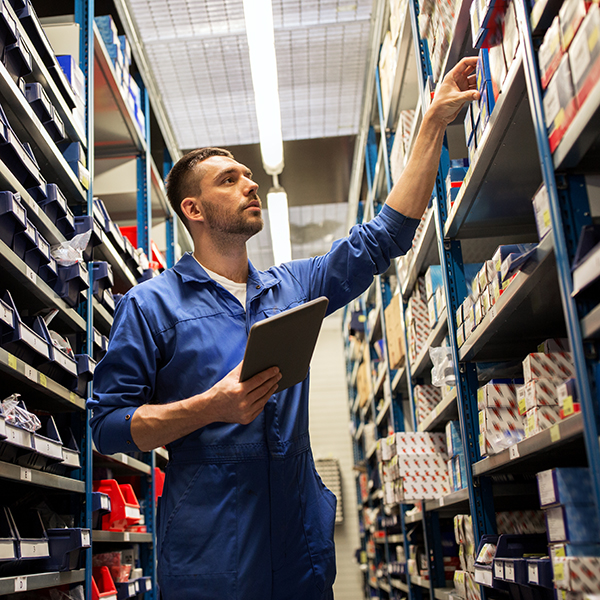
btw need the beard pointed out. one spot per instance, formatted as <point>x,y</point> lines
<point>226,223</point>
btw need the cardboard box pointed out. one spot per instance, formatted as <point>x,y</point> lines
<point>497,393</point>
<point>510,34</point>
<point>498,69</point>
<point>550,52</point>
<point>518,522</point>
<point>574,524</point>
<point>567,390</point>
<point>429,465</point>
<point>541,208</point>
<point>363,384</point>
<point>425,488</point>
<point>556,366</point>
<point>521,392</point>
<point>571,14</point>
<point>395,333</point>
<point>554,345</point>
<point>413,443</point>
<point>499,419</point>
<point>539,418</point>
<point>432,311</point>
<point>584,55</point>
<point>540,392</point>
<point>492,442</point>
<point>433,279</point>
<point>560,103</point>
<point>453,439</point>
<point>565,486</point>
<point>577,573</point>
<point>460,335</point>
<point>562,550</point>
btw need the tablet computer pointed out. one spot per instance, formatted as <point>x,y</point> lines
<point>287,341</point>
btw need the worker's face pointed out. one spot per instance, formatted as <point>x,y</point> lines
<point>228,197</point>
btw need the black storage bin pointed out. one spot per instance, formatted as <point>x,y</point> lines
<point>7,318</point>
<point>71,457</point>
<point>85,223</point>
<point>61,367</point>
<point>32,26</point>
<point>103,279</point>
<point>9,546</point>
<point>17,58</point>
<point>49,272</point>
<point>8,27</point>
<point>100,506</point>
<point>30,531</point>
<point>85,372</point>
<point>13,217</point>
<point>39,101</point>
<point>25,241</point>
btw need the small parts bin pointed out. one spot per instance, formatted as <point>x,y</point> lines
<point>55,206</point>
<point>9,545</point>
<point>72,283</point>
<point>32,26</point>
<point>125,510</point>
<point>31,534</point>
<point>66,547</point>
<point>103,278</point>
<point>102,584</point>
<point>82,225</point>
<point>8,27</point>
<point>13,217</point>
<point>47,447</point>
<point>85,372</point>
<point>100,506</point>
<point>71,457</point>
<point>17,58</point>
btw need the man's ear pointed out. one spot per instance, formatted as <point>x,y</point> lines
<point>191,209</point>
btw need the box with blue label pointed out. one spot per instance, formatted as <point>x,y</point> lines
<point>575,524</point>
<point>565,486</point>
<point>73,74</point>
<point>482,70</point>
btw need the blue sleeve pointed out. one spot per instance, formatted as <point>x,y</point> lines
<point>347,270</point>
<point>123,380</point>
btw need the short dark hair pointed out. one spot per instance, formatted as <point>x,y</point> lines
<point>180,180</point>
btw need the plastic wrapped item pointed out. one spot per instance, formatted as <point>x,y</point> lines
<point>70,252</point>
<point>15,413</point>
<point>486,554</point>
<point>442,372</point>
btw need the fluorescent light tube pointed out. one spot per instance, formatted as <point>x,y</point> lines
<point>263,66</point>
<point>279,223</point>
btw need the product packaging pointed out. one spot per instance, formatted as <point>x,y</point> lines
<point>565,486</point>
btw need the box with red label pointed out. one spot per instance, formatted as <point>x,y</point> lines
<point>539,418</point>
<point>550,52</point>
<point>498,393</point>
<point>560,103</point>
<point>424,488</point>
<point>517,522</point>
<point>540,392</point>
<point>431,465</point>
<point>577,573</point>
<point>584,55</point>
<point>412,442</point>
<point>556,366</point>
<point>492,418</point>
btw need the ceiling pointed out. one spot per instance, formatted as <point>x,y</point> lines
<point>199,55</point>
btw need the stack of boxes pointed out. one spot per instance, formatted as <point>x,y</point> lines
<point>464,581</point>
<point>569,64</point>
<point>454,180</point>
<point>399,153</point>
<point>500,424</point>
<point>493,24</point>
<point>436,300</point>
<point>456,464</point>
<point>543,371</point>
<point>120,53</point>
<point>404,261</point>
<point>394,333</point>
<point>417,320</point>
<point>414,467</point>
<point>426,398</point>
<point>573,530</point>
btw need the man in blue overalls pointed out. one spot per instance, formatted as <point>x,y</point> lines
<point>243,514</point>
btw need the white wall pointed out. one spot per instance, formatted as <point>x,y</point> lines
<point>330,437</point>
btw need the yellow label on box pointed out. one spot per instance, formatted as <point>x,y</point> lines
<point>481,419</point>
<point>560,551</point>
<point>480,395</point>
<point>43,380</point>
<point>498,265</point>
<point>555,435</point>
<point>12,361</point>
<point>522,406</point>
<point>531,424</point>
<point>546,218</point>
<point>568,406</point>
<point>593,39</point>
<point>559,571</point>
<point>560,117</point>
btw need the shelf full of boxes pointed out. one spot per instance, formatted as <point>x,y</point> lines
<point>60,497</point>
<point>489,278</point>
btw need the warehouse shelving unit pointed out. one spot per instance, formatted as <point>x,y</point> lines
<point>112,141</point>
<point>493,207</point>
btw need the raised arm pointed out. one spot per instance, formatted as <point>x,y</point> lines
<point>410,195</point>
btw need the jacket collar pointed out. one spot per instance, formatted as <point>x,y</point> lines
<point>189,269</point>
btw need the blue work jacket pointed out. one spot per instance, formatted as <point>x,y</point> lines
<point>243,515</point>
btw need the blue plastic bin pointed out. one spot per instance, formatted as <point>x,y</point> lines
<point>13,217</point>
<point>32,26</point>
<point>71,457</point>
<point>539,572</point>
<point>6,320</point>
<point>85,223</point>
<point>55,203</point>
<point>100,506</point>
<point>101,215</point>
<point>39,101</point>
<point>126,589</point>
<point>49,272</point>
<point>66,547</point>
<point>85,372</point>
<point>103,279</point>
<point>16,157</point>
<point>9,545</point>
<point>25,241</point>
<point>30,531</point>
<point>61,367</point>
<point>30,344</point>
<point>17,58</point>
<point>74,151</point>
<point>72,283</point>
<point>8,27</point>
<point>47,447</point>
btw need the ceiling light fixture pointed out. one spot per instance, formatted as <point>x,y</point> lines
<point>279,224</point>
<point>263,65</point>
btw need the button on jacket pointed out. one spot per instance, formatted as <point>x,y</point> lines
<point>244,514</point>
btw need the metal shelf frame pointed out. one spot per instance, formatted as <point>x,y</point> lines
<point>481,212</point>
